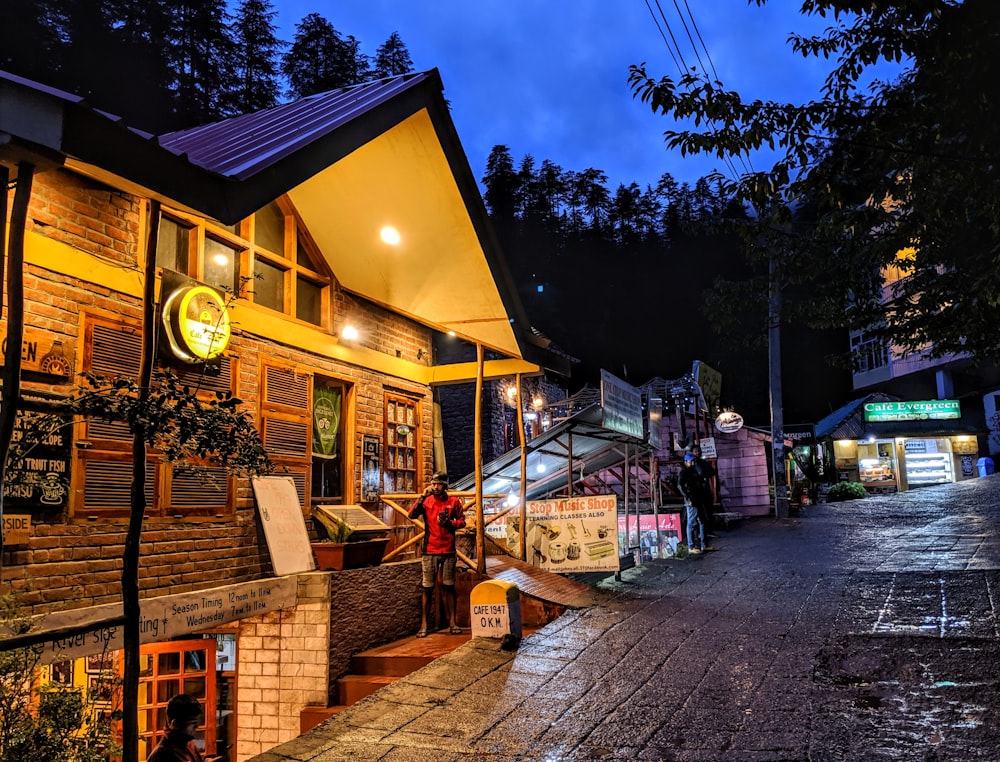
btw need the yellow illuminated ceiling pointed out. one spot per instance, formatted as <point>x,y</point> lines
<point>439,273</point>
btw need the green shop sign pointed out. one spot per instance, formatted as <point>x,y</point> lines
<point>921,410</point>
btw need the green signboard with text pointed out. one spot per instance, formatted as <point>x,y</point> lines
<point>920,410</point>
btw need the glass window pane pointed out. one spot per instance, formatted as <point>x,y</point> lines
<point>172,241</point>
<point>165,689</point>
<point>308,301</point>
<point>168,663</point>
<point>302,258</point>
<point>269,229</point>
<point>221,265</point>
<point>269,285</point>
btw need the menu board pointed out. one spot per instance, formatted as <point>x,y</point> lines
<point>39,477</point>
<point>284,525</point>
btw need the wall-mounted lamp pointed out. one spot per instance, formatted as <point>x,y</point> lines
<point>420,354</point>
<point>349,333</point>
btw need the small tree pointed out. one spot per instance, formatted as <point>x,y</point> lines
<point>43,720</point>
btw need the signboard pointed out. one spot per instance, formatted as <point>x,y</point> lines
<point>710,382</point>
<point>195,321</point>
<point>729,421</point>
<point>166,617</point>
<point>621,404</point>
<point>284,525</point>
<point>16,529</point>
<point>371,470</point>
<point>41,352</point>
<point>40,478</point>
<point>799,433</point>
<point>577,534</point>
<point>920,410</point>
<point>707,445</point>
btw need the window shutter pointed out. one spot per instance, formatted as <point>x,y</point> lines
<point>114,350</point>
<point>107,486</point>
<point>286,422</point>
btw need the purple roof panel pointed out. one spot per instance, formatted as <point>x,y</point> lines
<point>244,145</point>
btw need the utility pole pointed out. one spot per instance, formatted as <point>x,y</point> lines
<point>774,373</point>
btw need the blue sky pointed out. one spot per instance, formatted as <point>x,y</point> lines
<point>549,77</point>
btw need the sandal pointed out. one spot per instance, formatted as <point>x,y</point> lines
<point>456,630</point>
<point>421,633</point>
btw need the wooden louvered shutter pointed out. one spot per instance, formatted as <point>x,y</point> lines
<point>104,465</point>
<point>105,460</point>
<point>286,424</point>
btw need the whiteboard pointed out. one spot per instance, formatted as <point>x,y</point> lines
<point>284,527</point>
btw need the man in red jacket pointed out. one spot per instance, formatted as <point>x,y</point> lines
<point>443,516</point>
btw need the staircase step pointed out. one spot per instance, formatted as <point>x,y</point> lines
<point>353,688</point>
<point>312,716</point>
<point>400,658</point>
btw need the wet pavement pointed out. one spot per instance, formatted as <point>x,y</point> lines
<point>865,630</point>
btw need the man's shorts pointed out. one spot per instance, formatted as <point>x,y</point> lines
<point>431,564</point>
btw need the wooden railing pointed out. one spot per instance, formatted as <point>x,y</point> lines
<point>400,503</point>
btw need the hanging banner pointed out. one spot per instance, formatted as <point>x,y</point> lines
<point>577,534</point>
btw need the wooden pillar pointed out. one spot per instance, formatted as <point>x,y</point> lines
<point>478,462</point>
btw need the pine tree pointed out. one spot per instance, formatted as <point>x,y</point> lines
<point>257,49</point>
<point>202,60</point>
<point>320,59</point>
<point>31,43</point>
<point>392,58</point>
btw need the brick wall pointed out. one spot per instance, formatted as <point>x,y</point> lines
<point>73,562</point>
<point>291,659</point>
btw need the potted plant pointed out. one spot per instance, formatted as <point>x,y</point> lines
<point>342,547</point>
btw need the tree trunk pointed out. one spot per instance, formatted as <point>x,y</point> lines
<point>130,565</point>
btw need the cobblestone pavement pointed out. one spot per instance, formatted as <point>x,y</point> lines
<point>865,630</point>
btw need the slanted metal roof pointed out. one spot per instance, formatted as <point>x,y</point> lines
<point>245,145</point>
<point>593,447</point>
<point>847,422</point>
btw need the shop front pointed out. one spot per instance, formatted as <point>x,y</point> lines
<point>893,445</point>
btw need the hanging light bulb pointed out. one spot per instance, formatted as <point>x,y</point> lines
<point>512,498</point>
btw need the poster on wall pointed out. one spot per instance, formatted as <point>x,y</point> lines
<point>371,475</point>
<point>569,535</point>
<point>645,538</point>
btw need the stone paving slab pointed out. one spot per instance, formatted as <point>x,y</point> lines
<point>865,630</point>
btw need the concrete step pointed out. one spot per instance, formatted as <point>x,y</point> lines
<point>312,716</point>
<point>353,688</point>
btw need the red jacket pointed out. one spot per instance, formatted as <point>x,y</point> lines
<point>439,539</point>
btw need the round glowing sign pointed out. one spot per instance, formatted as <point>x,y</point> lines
<point>729,421</point>
<point>197,323</point>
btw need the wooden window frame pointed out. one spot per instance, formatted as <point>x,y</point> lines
<point>295,237</point>
<point>410,471</point>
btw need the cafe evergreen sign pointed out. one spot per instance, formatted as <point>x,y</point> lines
<point>918,410</point>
